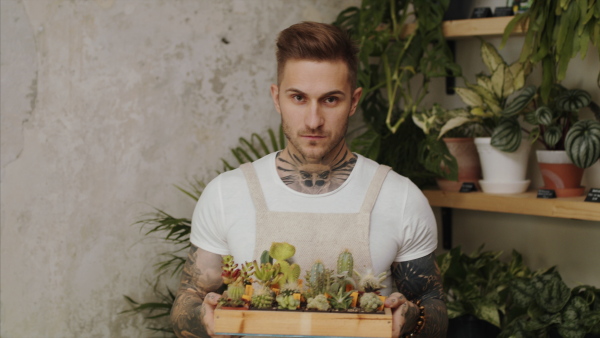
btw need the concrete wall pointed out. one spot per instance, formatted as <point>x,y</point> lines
<point>108,103</point>
<point>105,105</point>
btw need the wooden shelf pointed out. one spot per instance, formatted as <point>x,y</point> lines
<point>457,29</point>
<point>524,204</point>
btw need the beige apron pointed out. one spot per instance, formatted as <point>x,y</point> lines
<point>316,236</point>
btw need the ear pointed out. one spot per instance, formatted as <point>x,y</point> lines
<point>355,99</point>
<point>275,97</point>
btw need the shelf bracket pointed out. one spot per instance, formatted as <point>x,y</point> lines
<point>451,80</point>
<point>446,228</point>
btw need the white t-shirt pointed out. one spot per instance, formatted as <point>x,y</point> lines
<point>402,226</point>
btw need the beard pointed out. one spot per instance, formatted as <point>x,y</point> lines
<point>315,150</point>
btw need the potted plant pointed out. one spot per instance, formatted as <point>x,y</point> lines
<point>503,158</point>
<point>488,297</point>
<point>477,287</point>
<point>544,306</point>
<point>395,69</point>
<point>570,144</point>
<point>448,148</point>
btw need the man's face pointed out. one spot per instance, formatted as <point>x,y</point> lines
<point>315,101</point>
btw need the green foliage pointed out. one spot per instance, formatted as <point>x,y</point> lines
<point>477,284</point>
<point>176,231</point>
<point>512,297</point>
<point>544,304</point>
<point>557,31</point>
<point>395,70</point>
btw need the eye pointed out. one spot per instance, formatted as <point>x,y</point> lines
<point>297,98</point>
<point>331,100</point>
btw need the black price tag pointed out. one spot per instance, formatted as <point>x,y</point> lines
<point>593,195</point>
<point>481,12</point>
<point>468,187</point>
<point>546,193</point>
<point>503,11</point>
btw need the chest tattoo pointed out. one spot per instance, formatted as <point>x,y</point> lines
<point>315,178</point>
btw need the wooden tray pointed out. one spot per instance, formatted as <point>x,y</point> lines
<point>303,323</point>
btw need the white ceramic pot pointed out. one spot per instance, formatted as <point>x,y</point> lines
<point>503,173</point>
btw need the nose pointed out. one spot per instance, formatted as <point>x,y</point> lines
<point>314,117</point>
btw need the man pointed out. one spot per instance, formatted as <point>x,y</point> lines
<point>316,195</point>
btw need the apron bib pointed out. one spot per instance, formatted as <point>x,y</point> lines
<point>316,236</point>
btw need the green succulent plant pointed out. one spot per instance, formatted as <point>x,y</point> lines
<point>370,302</point>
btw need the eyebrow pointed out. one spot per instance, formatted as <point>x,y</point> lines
<point>329,93</point>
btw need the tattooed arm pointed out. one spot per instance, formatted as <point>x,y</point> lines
<point>418,279</point>
<point>192,312</point>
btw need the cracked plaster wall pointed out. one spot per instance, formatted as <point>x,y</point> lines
<point>108,103</point>
<point>105,105</point>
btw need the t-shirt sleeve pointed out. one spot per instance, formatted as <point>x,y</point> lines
<point>420,228</point>
<point>208,219</point>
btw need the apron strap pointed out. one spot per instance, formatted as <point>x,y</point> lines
<point>374,189</point>
<point>255,189</point>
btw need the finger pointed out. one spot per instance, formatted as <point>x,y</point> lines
<point>207,312</point>
<point>399,320</point>
<point>211,299</point>
<point>394,300</point>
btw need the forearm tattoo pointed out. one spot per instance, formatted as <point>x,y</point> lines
<point>420,279</point>
<point>315,178</point>
<point>196,281</point>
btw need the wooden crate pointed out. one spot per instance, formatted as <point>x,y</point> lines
<point>302,323</point>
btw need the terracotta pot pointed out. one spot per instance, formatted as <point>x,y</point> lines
<point>467,158</point>
<point>559,173</point>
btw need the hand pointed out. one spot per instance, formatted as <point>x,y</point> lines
<point>402,311</point>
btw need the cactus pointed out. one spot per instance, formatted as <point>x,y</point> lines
<point>263,299</point>
<point>230,272</point>
<point>282,251</point>
<point>318,279</point>
<point>235,291</point>
<point>369,302</point>
<point>369,282</point>
<point>345,263</point>
<point>319,302</point>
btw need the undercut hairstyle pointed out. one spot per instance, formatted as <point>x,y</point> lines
<point>317,42</point>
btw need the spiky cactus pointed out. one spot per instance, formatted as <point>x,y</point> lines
<point>369,282</point>
<point>345,263</point>
<point>318,302</point>
<point>369,302</point>
<point>262,298</point>
<point>318,279</point>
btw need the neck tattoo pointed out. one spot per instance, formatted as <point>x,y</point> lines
<point>314,178</point>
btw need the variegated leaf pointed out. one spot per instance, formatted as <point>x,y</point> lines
<point>490,56</point>
<point>498,78</point>
<point>453,123</point>
<point>469,97</point>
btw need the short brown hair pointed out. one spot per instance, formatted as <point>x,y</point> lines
<point>316,42</point>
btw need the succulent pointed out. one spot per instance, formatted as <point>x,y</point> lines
<point>262,299</point>
<point>341,300</point>
<point>369,282</point>
<point>230,271</point>
<point>369,302</point>
<point>319,302</point>
<point>286,300</point>
<point>267,274</point>
<point>281,252</point>
<point>318,279</point>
